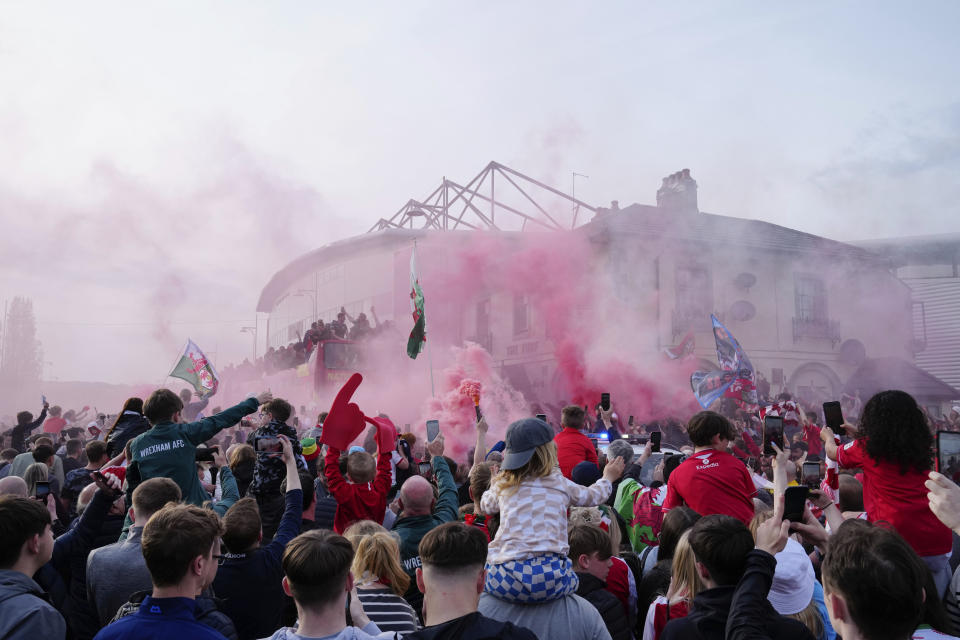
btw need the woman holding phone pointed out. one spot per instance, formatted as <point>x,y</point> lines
<point>893,446</point>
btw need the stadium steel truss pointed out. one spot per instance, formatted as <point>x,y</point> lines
<point>496,198</point>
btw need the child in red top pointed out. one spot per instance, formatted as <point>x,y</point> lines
<point>893,449</point>
<point>363,495</point>
<point>711,480</point>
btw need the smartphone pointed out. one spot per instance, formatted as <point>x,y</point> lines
<point>810,475</point>
<point>542,416</point>
<point>43,399</point>
<point>433,430</point>
<point>268,444</point>
<point>833,415</point>
<point>655,439</point>
<point>43,489</point>
<point>206,454</point>
<point>772,434</point>
<point>630,421</point>
<point>424,468</point>
<point>605,401</point>
<point>948,453</point>
<point>99,476</point>
<point>795,499</point>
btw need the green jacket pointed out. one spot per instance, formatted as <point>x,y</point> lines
<point>639,508</point>
<point>411,529</point>
<point>168,450</point>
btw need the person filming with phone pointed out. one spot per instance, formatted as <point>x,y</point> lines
<point>893,446</point>
<point>269,469</point>
<point>421,512</point>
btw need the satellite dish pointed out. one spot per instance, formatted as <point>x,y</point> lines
<point>852,352</point>
<point>745,280</point>
<point>741,311</point>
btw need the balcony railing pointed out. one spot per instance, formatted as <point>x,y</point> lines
<point>817,328</point>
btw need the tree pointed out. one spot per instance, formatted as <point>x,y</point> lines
<point>22,361</point>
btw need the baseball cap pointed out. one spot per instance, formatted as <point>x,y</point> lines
<point>522,439</point>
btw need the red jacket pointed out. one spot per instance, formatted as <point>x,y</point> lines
<point>573,448</point>
<point>357,501</point>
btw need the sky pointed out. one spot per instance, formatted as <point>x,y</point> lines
<point>160,161</point>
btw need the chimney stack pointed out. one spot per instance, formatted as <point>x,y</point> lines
<point>678,193</point>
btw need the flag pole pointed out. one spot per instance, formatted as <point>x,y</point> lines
<point>171,368</point>
<point>433,391</point>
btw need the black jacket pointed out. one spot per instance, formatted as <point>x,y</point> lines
<point>708,618</point>
<point>127,427</point>
<point>593,590</point>
<point>18,435</point>
<point>752,616</point>
<point>326,507</point>
<point>472,627</point>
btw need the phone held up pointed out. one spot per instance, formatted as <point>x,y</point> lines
<point>605,401</point>
<point>833,415</point>
<point>433,430</point>
<point>795,499</point>
<point>655,442</point>
<point>542,416</point>
<point>42,490</point>
<point>772,434</point>
<point>268,444</point>
<point>810,474</point>
<point>948,454</point>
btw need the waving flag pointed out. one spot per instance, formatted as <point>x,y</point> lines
<point>735,379</point>
<point>194,367</point>
<point>418,336</point>
<point>682,350</point>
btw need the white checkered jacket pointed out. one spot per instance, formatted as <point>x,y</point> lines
<point>533,519</point>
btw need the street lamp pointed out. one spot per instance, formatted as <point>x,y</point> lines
<point>573,193</point>
<point>313,298</point>
<point>252,331</point>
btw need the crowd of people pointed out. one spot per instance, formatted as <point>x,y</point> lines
<point>171,519</point>
<point>298,352</point>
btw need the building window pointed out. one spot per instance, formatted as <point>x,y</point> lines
<point>483,317</point>
<point>811,298</point>
<point>694,299</point>
<point>694,290</point>
<point>521,314</point>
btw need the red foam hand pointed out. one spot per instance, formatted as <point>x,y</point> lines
<point>386,434</point>
<point>345,421</point>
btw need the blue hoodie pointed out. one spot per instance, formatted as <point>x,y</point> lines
<point>160,619</point>
<point>25,613</point>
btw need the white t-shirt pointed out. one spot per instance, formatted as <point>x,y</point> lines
<point>395,457</point>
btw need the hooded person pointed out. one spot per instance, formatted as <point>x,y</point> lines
<point>794,590</point>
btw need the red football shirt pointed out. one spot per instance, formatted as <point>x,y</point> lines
<point>54,424</point>
<point>811,433</point>
<point>712,482</point>
<point>573,448</point>
<point>899,499</point>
